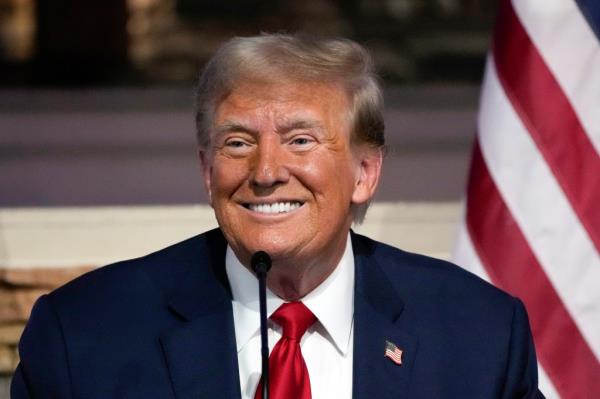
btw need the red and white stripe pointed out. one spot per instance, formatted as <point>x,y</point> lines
<point>532,218</point>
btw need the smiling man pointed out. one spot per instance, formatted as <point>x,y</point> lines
<point>291,137</point>
<point>283,176</point>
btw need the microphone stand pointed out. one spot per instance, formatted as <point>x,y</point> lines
<point>261,263</point>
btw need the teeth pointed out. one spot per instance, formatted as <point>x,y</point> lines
<point>277,207</point>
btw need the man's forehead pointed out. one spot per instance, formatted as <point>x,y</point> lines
<point>285,91</point>
<point>288,106</point>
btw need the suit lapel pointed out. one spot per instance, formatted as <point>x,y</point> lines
<point>200,350</point>
<point>377,319</point>
<point>202,357</point>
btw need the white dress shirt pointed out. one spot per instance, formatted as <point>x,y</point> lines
<point>326,346</point>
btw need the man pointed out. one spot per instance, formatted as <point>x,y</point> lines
<point>290,133</point>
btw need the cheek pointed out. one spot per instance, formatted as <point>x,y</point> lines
<point>227,176</point>
<point>327,175</point>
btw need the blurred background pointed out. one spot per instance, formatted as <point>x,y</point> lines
<point>67,43</point>
<point>97,151</point>
<point>97,95</point>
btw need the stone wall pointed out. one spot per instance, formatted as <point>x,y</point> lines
<point>19,289</point>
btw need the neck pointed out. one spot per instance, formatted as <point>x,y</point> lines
<point>292,279</point>
<point>294,286</point>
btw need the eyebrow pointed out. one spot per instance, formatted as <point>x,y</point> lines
<point>232,126</point>
<point>295,124</point>
<point>286,127</point>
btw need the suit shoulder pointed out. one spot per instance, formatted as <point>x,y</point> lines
<point>156,271</point>
<point>418,274</point>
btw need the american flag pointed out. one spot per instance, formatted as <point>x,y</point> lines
<point>532,217</point>
<point>393,352</point>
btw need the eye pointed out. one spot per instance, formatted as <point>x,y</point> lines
<point>235,143</point>
<point>302,142</point>
<point>237,146</point>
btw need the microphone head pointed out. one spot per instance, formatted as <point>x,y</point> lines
<point>260,262</point>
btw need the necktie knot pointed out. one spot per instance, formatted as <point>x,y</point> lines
<point>294,318</point>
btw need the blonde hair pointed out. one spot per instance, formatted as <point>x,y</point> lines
<point>278,58</point>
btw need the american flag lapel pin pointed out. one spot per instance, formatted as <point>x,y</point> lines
<point>393,353</point>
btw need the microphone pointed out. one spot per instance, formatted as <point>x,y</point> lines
<point>261,263</point>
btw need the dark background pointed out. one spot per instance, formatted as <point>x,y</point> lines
<point>74,43</point>
<point>96,96</point>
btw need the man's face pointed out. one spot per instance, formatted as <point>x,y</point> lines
<point>281,173</point>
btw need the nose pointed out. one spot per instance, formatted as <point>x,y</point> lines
<point>269,164</point>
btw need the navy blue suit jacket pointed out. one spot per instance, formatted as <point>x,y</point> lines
<point>162,327</point>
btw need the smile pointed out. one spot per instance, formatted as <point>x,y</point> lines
<point>276,207</point>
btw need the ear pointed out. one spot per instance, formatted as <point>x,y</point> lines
<point>206,166</point>
<point>368,171</point>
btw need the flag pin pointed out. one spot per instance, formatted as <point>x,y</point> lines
<point>393,353</point>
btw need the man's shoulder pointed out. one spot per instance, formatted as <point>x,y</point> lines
<point>420,277</point>
<point>157,272</point>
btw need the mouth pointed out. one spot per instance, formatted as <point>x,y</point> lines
<point>274,207</point>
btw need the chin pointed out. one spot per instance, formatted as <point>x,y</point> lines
<point>274,244</point>
<point>278,246</point>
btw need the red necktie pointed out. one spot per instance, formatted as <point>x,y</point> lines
<point>287,370</point>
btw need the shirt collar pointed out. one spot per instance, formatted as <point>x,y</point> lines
<point>332,302</point>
